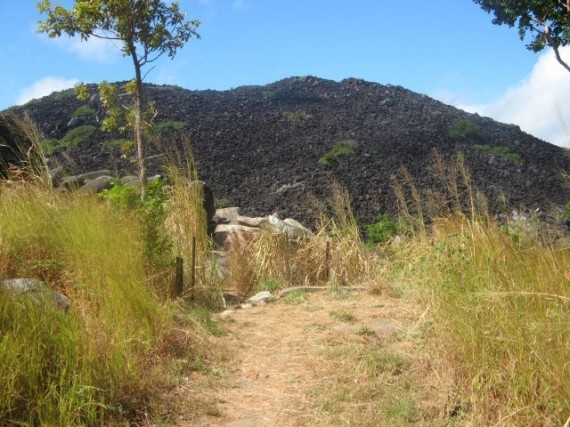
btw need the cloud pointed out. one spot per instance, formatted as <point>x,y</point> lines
<point>44,87</point>
<point>93,49</point>
<point>538,104</point>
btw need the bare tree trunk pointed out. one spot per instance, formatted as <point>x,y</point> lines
<point>138,126</point>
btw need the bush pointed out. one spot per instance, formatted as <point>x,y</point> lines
<point>84,112</point>
<point>384,229</point>
<point>340,150</point>
<point>295,116</point>
<point>501,152</point>
<point>72,138</point>
<point>463,129</point>
<point>169,126</point>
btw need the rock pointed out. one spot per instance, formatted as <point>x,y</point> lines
<point>56,175</point>
<point>130,181</point>
<point>226,215</point>
<point>248,221</point>
<point>74,121</point>
<point>98,184</point>
<point>260,298</point>
<point>35,289</point>
<point>71,182</point>
<point>228,235</point>
<point>94,174</point>
<point>154,178</point>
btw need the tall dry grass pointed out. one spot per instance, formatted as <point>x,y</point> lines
<point>103,361</point>
<point>500,304</point>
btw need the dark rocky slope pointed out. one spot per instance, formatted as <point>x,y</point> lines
<point>259,147</point>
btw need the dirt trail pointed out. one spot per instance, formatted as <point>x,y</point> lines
<point>325,359</point>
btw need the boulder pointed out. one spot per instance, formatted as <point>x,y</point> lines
<point>87,176</point>
<point>98,184</point>
<point>36,290</point>
<point>226,215</point>
<point>260,298</point>
<point>230,235</point>
<point>130,181</point>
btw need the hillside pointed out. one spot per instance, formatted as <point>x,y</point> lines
<point>258,147</point>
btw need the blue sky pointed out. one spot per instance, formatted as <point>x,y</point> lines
<point>447,49</point>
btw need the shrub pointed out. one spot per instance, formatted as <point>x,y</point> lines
<point>383,229</point>
<point>340,150</point>
<point>463,129</point>
<point>72,138</point>
<point>501,152</point>
<point>84,112</point>
<point>168,126</point>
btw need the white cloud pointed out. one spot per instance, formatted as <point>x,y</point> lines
<point>93,49</point>
<point>538,104</point>
<point>44,87</point>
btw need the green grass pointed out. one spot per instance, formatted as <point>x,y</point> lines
<point>297,296</point>
<point>295,116</point>
<point>341,149</point>
<point>501,152</point>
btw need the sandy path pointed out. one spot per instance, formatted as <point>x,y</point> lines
<point>281,358</point>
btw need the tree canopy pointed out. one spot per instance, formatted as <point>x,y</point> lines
<point>145,30</point>
<point>541,22</point>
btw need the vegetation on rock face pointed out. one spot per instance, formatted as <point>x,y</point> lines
<point>295,116</point>
<point>501,152</point>
<point>463,129</point>
<point>383,229</point>
<point>168,126</point>
<point>84,112</point>
<point>340,150</point>
<point>72,138</point>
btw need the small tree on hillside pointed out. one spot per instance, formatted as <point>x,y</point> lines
<point>145,29</point>
<point>547,21</point>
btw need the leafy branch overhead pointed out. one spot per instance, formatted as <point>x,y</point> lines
<point>547,22</point>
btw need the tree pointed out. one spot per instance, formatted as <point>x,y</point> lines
<point>145,29</point>
<point>547,21</point>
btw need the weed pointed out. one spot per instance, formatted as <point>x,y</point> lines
<point>297,296</point>
<point>383,229</point>
<point>204,316</point>
<point>342,315</point>
<point>340,150</point>
<point>72,138</point>
<point>366,332</point>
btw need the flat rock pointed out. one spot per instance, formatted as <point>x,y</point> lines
<point>36,290</point>
<point>260,298</point>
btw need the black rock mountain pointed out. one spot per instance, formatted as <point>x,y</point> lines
<point>258,147</point>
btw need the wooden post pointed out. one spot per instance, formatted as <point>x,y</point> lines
<point>179,277</point>
<point>193,270</point>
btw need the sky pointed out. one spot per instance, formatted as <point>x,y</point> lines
<point>446,49</point>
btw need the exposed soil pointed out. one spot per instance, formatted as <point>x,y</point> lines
<point>326,359</point>
<point>259,147</point>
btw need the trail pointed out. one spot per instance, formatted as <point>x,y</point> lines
<point>325,359</point>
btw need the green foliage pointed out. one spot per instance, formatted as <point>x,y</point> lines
<point>72,138</point>
<point>340,150</point>
<point>383,229</point>
<point>151,210</point>
<point>500,151</point>
<point>295,116</point>
<point>168,126</point>
<point>546,22</point>
<point>296,296</point>
<point>84,112</point>
<point>463,129</point>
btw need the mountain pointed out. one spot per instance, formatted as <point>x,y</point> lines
<point>264,148</point>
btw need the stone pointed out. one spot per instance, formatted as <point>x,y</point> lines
<point>74,121</point>
<point>94,174</point>
<point>260,298</point>
<point>226,215</point>
<point>130,181</point>
<point>228,235</point>
<point>35,289</point>
<point>98,184</point>
<point>248,221</point>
